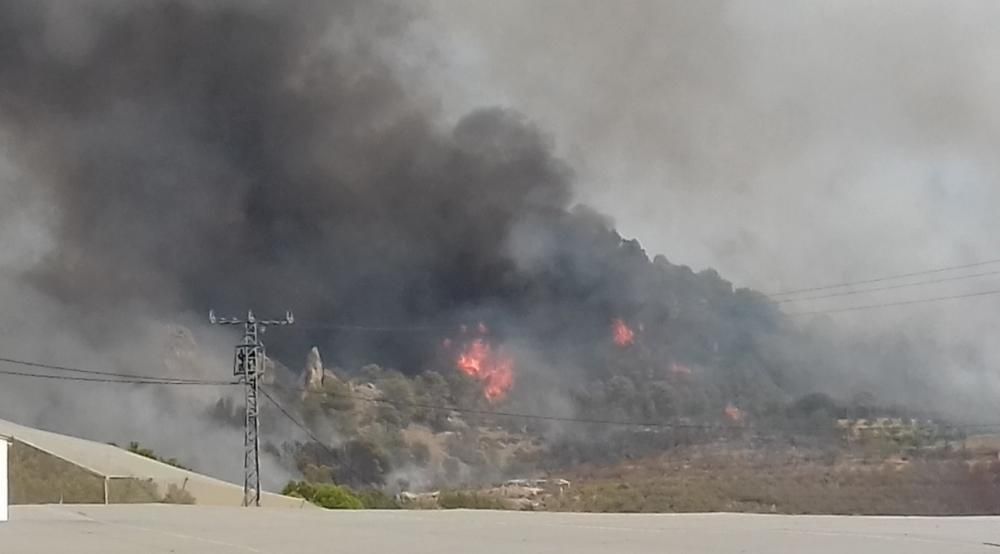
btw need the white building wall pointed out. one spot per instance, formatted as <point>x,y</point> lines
<point>3,479</point>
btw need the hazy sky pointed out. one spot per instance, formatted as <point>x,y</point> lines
<point>784,143</point>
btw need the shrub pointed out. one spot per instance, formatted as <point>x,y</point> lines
<point>178,495</point>
<point>373,499</point>
<point>331,497</point>
<point>136,448</point>
<point>421,453</point>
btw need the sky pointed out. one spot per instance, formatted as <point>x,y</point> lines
<point>784,143</point>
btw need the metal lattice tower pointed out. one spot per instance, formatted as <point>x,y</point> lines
<point>248,365</point>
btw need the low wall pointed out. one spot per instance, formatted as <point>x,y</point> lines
<point>37,477</point>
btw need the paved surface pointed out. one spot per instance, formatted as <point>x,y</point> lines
<point>120,529</point>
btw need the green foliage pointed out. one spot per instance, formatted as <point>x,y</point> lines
<point>374,499</point>
<point>317,474</point>
<point>397,389</point>
<point>357,463</point>
<point>329,496</point>
<point>337,396</point>
<point>136,448</point>
<point>431,389</point>
<point>362,463</point>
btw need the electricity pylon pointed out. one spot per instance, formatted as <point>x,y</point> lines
<point>248,365</point>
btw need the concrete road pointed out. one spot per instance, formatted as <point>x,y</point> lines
<point>153,529</point>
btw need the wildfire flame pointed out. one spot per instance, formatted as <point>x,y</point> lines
<point>621,333</point>
<point>734,414</point>
<point>491,367</point>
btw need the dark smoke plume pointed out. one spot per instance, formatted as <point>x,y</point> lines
<point>260,154</point>
<point>159,158</point>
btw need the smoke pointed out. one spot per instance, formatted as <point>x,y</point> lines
<point>164,157</point>
<point>711,129</point>
<point>192,163</point>
<point>785,144</point>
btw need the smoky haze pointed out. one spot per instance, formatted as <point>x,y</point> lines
<point>709,129</point>
<point>228,155</point>
<point>785,144</point>
<point>163,158</point>
<point>336,158</point>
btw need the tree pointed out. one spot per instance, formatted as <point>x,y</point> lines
<point>398,390</point>
<point>421,453</point>
<point>362,463</point>
<point>431,389</point>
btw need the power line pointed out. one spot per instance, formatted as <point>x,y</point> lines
<point>110,377</point>
<point>885,288</point>
<point>901,303</point>
<point>297,423</point>
<point>885,278</point>
<point>662,425</point>
<point>373,328</point>
<point>351,471</point>
<point>476,411</point>
<point>458,409</point>
<point>93,371</point>
<point>132,381</point>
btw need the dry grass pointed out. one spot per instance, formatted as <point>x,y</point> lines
<point>40,478</point>
<point>790,482</point>
<point>178,495</point>
<point>133,491</point>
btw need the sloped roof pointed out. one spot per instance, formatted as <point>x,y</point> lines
<point>112,461</point>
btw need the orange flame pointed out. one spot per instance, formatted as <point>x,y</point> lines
<point>734,414</point>
<point>490,367</point>
<point>621,333</point>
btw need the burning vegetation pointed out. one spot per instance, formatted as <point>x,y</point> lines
<point>334,187</point>
<point>491,367</point>
<point>621,333</point>
<point>487,364</point>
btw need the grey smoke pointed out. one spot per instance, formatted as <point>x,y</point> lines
<point>164,157</point>
<point>265,155</point>
<point>785,144</point>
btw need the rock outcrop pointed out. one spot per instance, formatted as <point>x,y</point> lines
<point>316,376</point>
